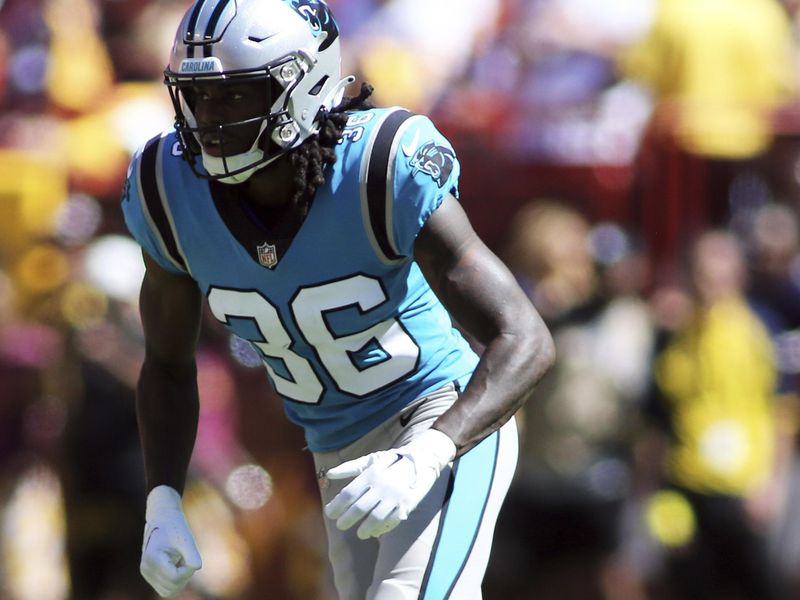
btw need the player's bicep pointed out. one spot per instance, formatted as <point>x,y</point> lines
<point>170,306</point>
<point>471,281</point>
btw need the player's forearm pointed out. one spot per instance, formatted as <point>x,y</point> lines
<point>167,408</point>
<point>484,297</point>
<point>510,367</point>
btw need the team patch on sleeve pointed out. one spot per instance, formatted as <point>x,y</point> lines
<point>436,161</point>
<point>424,171</point>
<point>409,168</point>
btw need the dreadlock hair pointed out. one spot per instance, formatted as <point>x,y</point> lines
<point>317,152</point>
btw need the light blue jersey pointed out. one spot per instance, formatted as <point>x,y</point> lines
<point>346,324</point>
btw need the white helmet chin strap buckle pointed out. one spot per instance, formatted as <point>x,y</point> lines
<point>247,162</point>
<point>217,165</point>
<point>336,94</point>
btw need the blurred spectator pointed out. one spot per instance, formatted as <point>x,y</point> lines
<point>99,456</point>
<point>773,279</point>
<point>101,479</point>
<point>717,74</point>
<point>545,85</point>
<point>574,471</point>
<point>412,50</point>
<point>773,243</point>
<point>138,33</point>
<point>718,70</point>
<point>716,401</point>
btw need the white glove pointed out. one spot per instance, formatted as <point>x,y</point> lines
<point>169,553</point>
<point>389,484</point>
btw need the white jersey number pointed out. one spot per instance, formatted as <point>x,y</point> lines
<point>309,308</point>
<point>302,384</point>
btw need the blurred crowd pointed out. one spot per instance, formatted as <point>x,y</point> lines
<point>636,163</point>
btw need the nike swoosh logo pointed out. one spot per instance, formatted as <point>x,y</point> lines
<point>258,40</point>
<point>411,148</point>
<point>406,418</point>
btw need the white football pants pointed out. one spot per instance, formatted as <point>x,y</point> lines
<point>442,550</point>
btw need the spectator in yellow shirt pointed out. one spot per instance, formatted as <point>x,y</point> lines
<point>716,385</point>
<point>718,70</point>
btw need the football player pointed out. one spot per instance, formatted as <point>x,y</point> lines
<point>328,234</point>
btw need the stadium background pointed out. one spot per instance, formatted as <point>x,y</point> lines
<point>597,140</point>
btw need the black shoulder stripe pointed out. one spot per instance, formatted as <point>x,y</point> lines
<point>154,201</point>
<point>377,178</point>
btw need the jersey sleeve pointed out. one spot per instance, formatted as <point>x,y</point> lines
<point>426,169</point>
<point>137,214</point>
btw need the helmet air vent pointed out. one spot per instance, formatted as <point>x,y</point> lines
<point>318,88</point>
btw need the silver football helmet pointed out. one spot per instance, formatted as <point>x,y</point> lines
<point>290,45</point>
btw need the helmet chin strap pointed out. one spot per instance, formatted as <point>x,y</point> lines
<point>248,162</point>
<point>216,165</point>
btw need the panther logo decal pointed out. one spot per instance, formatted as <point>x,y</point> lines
<point>436,161</point>
<point>319,18</point>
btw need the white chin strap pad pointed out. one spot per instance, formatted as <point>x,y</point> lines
<point>336,94</point>
<point>247,162</point>
<point>216,165</point>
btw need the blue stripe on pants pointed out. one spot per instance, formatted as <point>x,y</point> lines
<point>473,474</point>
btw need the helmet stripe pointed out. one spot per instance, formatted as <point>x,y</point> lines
<point>190,27</point>
<point>212,24</point>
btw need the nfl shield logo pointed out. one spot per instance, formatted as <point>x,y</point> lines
<point>267,255</point>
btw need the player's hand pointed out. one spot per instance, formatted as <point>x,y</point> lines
<point>169,553</point>
<point>389,484</point>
